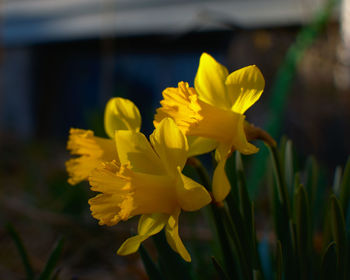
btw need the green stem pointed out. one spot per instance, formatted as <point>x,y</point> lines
<point>280,182</point>
<point>223,238</point>
<point>201,171</point>
<point>229,258</point>
<point>242,255</point>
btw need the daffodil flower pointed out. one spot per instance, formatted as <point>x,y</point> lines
<point>212,113</point>
<point>120,114</point>
<point>147,181</point>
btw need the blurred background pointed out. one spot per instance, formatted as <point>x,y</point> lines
<point>60,61</point>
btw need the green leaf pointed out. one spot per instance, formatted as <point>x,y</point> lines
<point>339,234</point>
<point>282,148</point>
<point>289,167</point>
<point>221,273</point>
<point>257,275</point>
<point>302,223</point>
<point>279,261</point>
<point>337,180</point>
<point>247,236</point>
<point>256,257</point>
<point>293,234</point>
<point>311,181</point>
<point>280,180</point>
<point>150,267</point>
<point>245,203</point>
<point>284,225</point>
<point>172,266</point>
<point>21,250</point>
<point>329,263</point>
<point>234,237</point>
<point>228,253</point>
<point>52,261</point>
<point>345,187</point>
<point>232,263</point>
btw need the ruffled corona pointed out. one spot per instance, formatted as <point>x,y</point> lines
<point>91,151</point>
<point>214,111</point>
<point>120,114</point>
<point>182,105</point>
<point>148,182</point>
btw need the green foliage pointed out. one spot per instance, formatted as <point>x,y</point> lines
<point>171,265</point>
<point>50,266</point>
<point>22,251</point>
<point>151,268</point>
<point>49,271</point>
<point>296,250</point>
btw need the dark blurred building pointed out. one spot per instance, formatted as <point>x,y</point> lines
<point>62,60</point>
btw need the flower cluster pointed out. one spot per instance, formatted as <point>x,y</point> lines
<point>137,176</point>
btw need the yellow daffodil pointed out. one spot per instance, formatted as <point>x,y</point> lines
<point>147,181</point>
<point>120,114</point>
<point>212,113</point>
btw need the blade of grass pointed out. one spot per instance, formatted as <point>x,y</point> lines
<point>339,235</point>
<point>247,235</point>
<point>280,180</point>
<point>221,273</point>
<point>150,267</point>
<point>21,250</point>
<point>245,203</point>
<point>337,180</point>
<point>171,265</point>
<point>232,263</point>
<point>52,261</point>
<point>233,235</point>
<point>283,219</point>
<point>256,256</point>
<point>345,188</point>
<point>228,253</point>
<point>279,261</point>
<point>329,263</point>
<point>289,167</point>
<point>311,184</point>
<point>257,275</point>
<point>302,231</point>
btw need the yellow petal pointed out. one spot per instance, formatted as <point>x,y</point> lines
<point>215,123</point>
<point>153,193</point>
<point>210,82</point>
<point>91,150</point>
<point>134,149</point>
<point>131,245</point>
<point>152,224</point>
<point>148,225</point>
<point>221,185</point>
<point>191,195</point>
<point>173,238</point>
<point>240,141</point>
<point>170,144</point>
<point>121,114</point>
<point>245,87</point>
<point>200,145</point>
